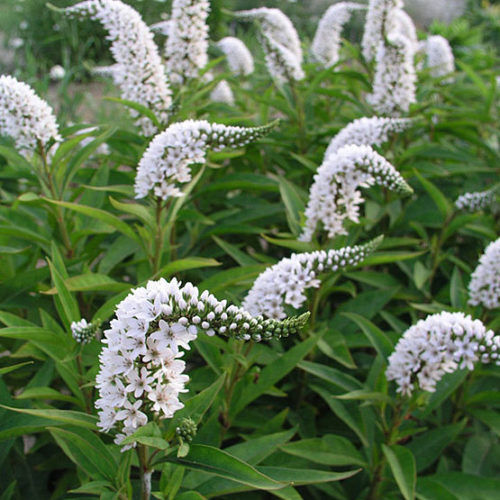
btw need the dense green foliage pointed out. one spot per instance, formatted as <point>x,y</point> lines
<point>311,416</point>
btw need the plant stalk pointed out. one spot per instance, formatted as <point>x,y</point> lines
<point>144,471</point>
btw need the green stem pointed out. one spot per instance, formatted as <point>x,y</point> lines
<point>144,471</point>
<point>299,104</point>
<point>158,237</point>
<point>437,249</point>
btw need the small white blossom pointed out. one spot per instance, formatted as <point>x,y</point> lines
<point>394,85</point>
<point>473,202</point>
<point>168,157</point>
<point>403,24</point>
<point>440,344</point>
<point>379,23</point>
<point>373,131</point>
<point>287,281</point>
<point>239,58</point>
<point>326,43</point>
<point>484,286</point>
<point>163,27</point>
<point>138,70</point>
<point>24,116</point>
<point>439,55</point>
<point>222,93</point>
<point>141,374</point>
<point>57,72</point>
<point>334,196</point>
<point>187,40</point>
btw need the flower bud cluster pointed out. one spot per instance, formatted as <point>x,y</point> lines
<point>394,86</point>
<point>141,374</point>
<point>373,131</point>
<point>139,71</point>
<point>187,41</point>
<point>334,195</point>
<point>440,59</point>
<point>83,332</point>
<point>473,202</point>
<point>280,42</point>
<point>440,344</point>
<point>484,286</point>
<point>187,429</point>
<point>287,281</point>
<point>379,19</point>
<point>239,58</point>
<point>326,43</point>
<point>222,93</point>
<point>168,157</point>
<point>24,116</point>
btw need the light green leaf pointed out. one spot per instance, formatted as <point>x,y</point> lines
<point>402,464</point>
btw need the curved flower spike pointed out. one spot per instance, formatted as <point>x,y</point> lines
<point>440,344</point>
<point>326,44</point>
<point>484,286</point>
<point>139,71</point>
<point>473,202</point>
<point>440,59</point>
<point>334,195</point>
<point>238,56</point>
<point>24,116</point>
<point>141,374</point>
<point>286,281</point>
<point>168,157</point>
<point>372,131</point>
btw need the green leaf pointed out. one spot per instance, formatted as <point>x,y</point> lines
<point>11,368</point>
<point>332,375</point>
<point>442,203</point>
<point>402,464</point>
<point>377,337</point>
<point>142,110</point>
<point>427,489</point>
<point>223,279</point>
<point>293,204</point>
<point>365,395</point>
<point>489,417</point>
<point>180,265</point>
<point>91,282</point>
<point>233,251</point>
<point>273,373</point>
<point>297,477</point>
<point>101,215</point>
<point>139,211</point>
<point>468,487</point>
<point>220,463</point>
<point>329,450</point>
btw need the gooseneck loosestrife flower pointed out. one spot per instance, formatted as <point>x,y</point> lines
<point>138,71</point>
<point>25,117</point>
<point>239,58</point>
<point>280,42</point>
<point>473,202</point>
<point>222,93</point>
<point>484,286</point>
<point>334,195</point>
<point>287,281</point>
<point>403,24</point>
<point>442,343</point>
<point>141,371</point>
<point>168,157</point>
<point>394,87</point>
<point>440,59</point>
<point>187,40</point>
<point>373,131</point>
<point>379,23</point>
<point>326,43</point>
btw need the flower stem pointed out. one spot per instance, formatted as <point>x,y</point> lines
<point>158,237</point>
<point>144,471</point>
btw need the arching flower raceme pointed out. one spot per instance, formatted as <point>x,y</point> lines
<point>139,71</point>
<point>24,116</point>
<point>379,19</point>
<point>473,202</point>
<point>187,42</point>
<point>83,332</point>
<point>440,59</point>
<point>168,157</point>
<point>141,371</point>
<point>403,24</point>
<point>239,58</point>
<point>163,27</point>
<point>440,344</point>
<point>365,131</point>
<point>394,86</point>
<point>326,44</point>
<point>222,93</point>
<point>280,42</point>
<point>287,281</point>
<point>484,286</point>
<point>334,195</point>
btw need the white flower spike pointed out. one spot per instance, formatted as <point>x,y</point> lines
<point>326,44</point>
<point>474,202</point>
<point>239,58</point>
<point>484,286</point>
<point>286,281</point>
<point>440,59</point>
<point>442,343</point>
<point>334,196</point>
<point>168,158</point>
<point>25,117</point>
<point>141,374</point>
<point>139,71</point>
